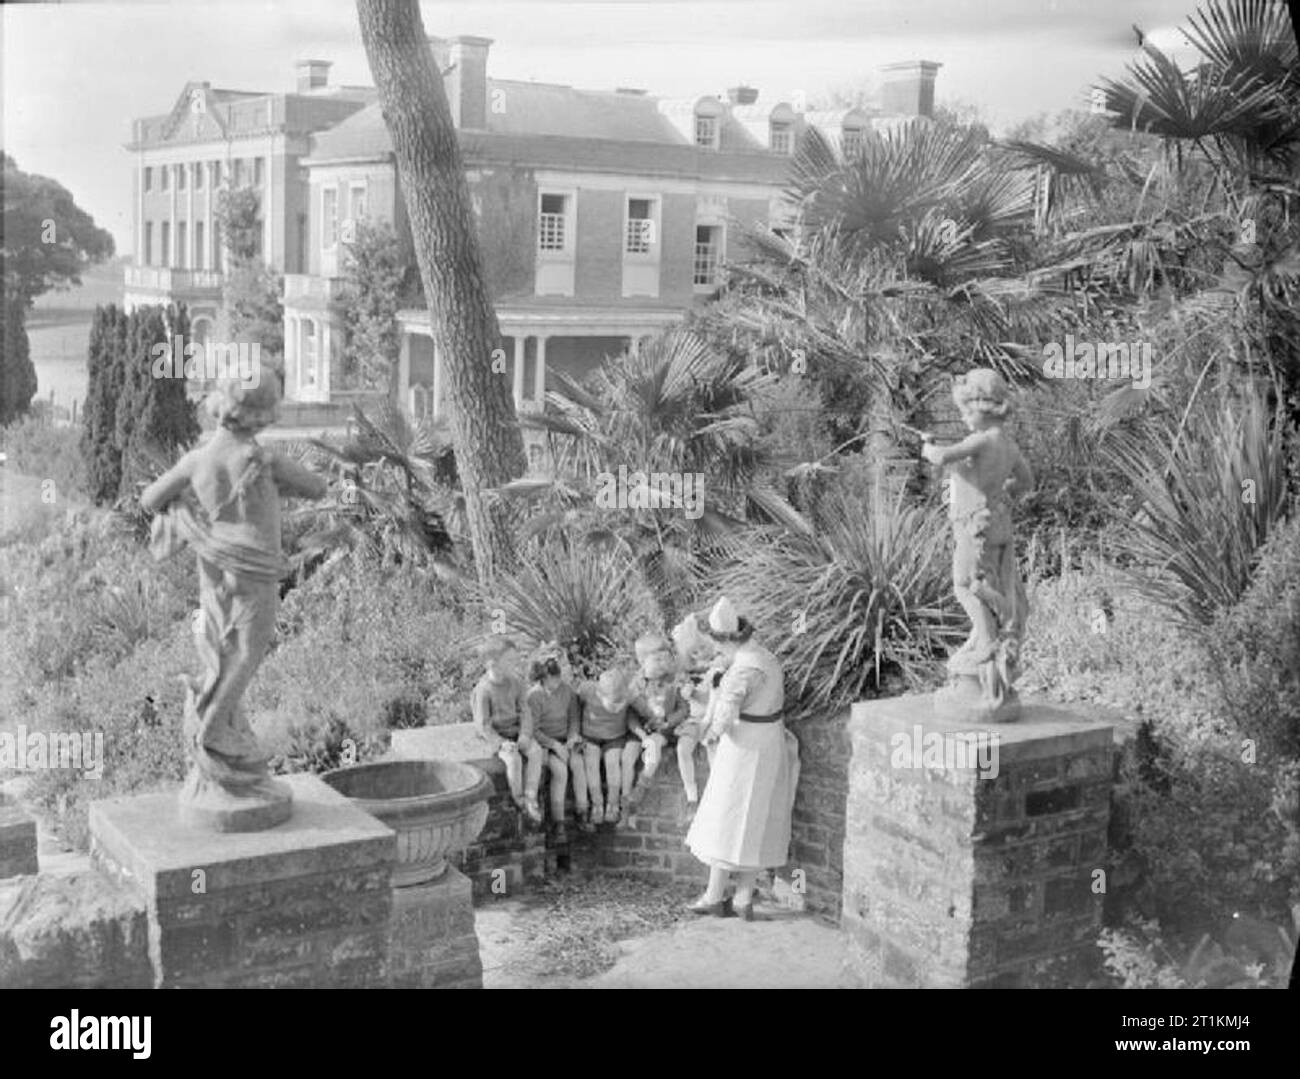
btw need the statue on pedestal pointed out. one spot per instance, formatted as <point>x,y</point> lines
<point>986,471</point>
<point>222,499</point>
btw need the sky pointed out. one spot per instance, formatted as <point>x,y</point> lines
<point>76,74</point>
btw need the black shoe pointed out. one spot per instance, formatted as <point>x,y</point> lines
<point>722,909</point>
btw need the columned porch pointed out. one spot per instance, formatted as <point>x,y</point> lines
<point>534,341</point>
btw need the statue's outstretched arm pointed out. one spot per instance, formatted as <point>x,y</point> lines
<point>969,446</point>
<point>294,479</point>
<point>167,487</point>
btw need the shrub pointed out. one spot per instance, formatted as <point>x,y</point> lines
<point>82,591</point>
<point>862,597</point>
<point>136,701</point>
<point>1205,500</point>
<point>589,600</point>
<point>38,448</point>
<point>1256,648</point>
<point>369,647</point>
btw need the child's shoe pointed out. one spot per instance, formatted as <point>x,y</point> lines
<point>587,822</point>
<point>532,810</point>
<point>612,813</point>
<point>598,814</point>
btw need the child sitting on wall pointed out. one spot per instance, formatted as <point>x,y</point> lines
<point>500,710</point>
<point>695,653</point>
<point>663,706</point>
<point>605,706</point>
<point>553,706</point>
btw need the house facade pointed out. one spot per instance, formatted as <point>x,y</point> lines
<point>211,140</point>
<point>603,217</point>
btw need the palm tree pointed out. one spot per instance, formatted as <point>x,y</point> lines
<point>674,406</point>
<point>398,496</point>
<point>908,262</point>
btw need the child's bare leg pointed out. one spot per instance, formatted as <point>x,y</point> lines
<point>514,763</point>
<point>591,758</point>
<point>578,769</point>
<point>559,781</point>
<point>686,765</point>
<point>628,763</point>
<point>613,780</point>
<point>536,755</point>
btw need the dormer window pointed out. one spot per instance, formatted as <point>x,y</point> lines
<point>706,131</point>
<point>781,137</point>
<point>708,123</point>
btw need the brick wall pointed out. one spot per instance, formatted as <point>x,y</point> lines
<point>72,931</point>
<point>817,844</point>
<point>649,846</point>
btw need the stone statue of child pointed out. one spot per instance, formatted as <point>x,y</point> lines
<point>223,500</point>
<point>986,470</point>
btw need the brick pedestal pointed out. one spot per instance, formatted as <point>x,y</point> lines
<point>17,841</point>
<point>955,878</point>
<point>432,944</point>
<point>305,904</point>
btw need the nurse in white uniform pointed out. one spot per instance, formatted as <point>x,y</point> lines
<point>743,823</point>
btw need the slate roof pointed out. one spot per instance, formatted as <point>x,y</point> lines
<point>546,125</point>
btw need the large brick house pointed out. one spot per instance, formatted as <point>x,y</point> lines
<point>212,139</point>
<point>603,215</point>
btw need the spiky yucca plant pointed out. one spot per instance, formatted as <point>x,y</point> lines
<point>590,601</point>
<point>853,601</point>
<point>1202,506</point>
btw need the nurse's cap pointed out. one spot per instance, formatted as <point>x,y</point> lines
<point>723,619</point>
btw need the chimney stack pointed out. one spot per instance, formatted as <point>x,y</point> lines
<point>313,75</point>
<point>742,95</point>
<point>441,49</point>
<point>908,88</point>
<point>466,81</point>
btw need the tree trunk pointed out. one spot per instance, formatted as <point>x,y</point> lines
<point>485,432</point>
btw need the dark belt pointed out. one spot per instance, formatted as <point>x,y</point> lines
<point>775,717</point>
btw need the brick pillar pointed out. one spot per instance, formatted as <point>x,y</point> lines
<point>432,943</point>
<point>957,875</point>
<point>307,904</point>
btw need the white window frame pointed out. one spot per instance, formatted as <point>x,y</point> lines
<point>329,223</point>
<point>721,250</point>
<point>348,227</point>
<point>715,130</point>
<point>849,136</point>
<point>309,355</point>
<point>781,127</point>
<point>654,245</point>
<point>566,252</point>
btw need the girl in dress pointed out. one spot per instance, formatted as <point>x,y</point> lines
<point>743,823</point>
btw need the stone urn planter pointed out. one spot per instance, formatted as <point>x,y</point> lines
<point>436,808</point>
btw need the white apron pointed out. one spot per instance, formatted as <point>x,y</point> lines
<point>743,822</point>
